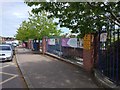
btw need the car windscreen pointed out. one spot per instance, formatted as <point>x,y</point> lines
<point>5,48</point>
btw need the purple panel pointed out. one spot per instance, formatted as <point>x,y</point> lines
<point>48,41</point>
<point>64,42</point>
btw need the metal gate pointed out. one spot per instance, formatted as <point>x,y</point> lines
<point>109,54</point>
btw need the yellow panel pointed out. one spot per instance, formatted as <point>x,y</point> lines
<point>87,37</point>
<point>87,41</point>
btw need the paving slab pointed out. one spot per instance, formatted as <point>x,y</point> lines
<point>44,72</point>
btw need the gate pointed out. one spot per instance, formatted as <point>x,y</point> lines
<point>109,54</point>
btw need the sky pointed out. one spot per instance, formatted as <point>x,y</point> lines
<point>12,13</point>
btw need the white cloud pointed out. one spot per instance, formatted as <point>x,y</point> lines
<point>16,26</point>
<point>19,15</point>
<point>11,0</point>
<point>13,13</point>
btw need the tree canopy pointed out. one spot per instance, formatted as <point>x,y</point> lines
<point>37,26</point>
<point>81,17</point>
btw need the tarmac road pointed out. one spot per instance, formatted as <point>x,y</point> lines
<point>11,76</point>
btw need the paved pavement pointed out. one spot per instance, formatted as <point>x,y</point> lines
<point>10,75</point>
<point>45,72</point>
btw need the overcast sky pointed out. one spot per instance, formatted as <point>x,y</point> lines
<point>11,16</point>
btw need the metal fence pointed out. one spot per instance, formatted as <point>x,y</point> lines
<point>69,48</point>
<point>109,54</point>
<point>54,45</point>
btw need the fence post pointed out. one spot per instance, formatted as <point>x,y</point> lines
<point>88,52</point>
<point>43,45</point>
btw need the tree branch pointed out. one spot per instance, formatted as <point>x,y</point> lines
<point>113,16</point>
<point>114,21</point>
<point>92,6</point>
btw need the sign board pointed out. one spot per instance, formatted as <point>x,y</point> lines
<point>69,42</point>
<point>87,41</point>
<point>72,42</point>
<point>51,41</point>
<point>103,37</point>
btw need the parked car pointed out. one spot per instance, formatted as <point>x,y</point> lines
<point>6,52</point>
<point>14,44</point>
<point>13,47</point>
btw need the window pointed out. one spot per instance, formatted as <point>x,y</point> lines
<point>5,48</point>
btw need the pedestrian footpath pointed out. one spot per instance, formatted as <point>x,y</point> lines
<point>46,72</point>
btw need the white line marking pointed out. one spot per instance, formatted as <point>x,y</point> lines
<point>8,79</point>
<point>5,66</point>
<point>13,76</point>
<point>13,64</point>
<point>8,74</point>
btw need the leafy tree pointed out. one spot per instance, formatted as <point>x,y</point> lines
<point>81,17</point>
<point>37,26</point>
<point>22,32</point>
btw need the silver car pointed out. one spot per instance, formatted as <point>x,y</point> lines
<point>6,52</point>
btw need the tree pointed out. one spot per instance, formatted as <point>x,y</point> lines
<point>81,17</point>
<point>37,26</point>
<point>22,32</point>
